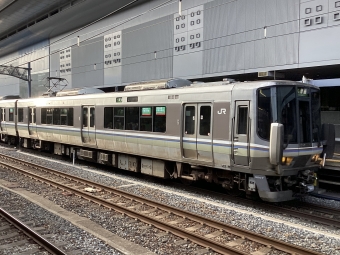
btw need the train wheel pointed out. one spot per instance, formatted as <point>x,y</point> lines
<point>186,182</point>
<point>235,192</point>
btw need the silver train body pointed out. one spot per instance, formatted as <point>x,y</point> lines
<point>219,132</point>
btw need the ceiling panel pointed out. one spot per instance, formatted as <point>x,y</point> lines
<point>5,3</point>
<point>14,14</point>
<point>21,12</point>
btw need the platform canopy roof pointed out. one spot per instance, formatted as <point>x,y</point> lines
<point>26,22</point>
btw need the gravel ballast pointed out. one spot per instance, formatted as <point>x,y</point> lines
<point>58,229</point>
<point>310,235</point>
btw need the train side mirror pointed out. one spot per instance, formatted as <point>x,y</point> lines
<point>276,143</point>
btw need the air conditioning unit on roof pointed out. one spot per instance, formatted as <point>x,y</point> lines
<point>270,74</point>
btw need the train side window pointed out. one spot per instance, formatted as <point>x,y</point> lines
<point>70,117</point>
<point>190,120</point>
<point>92,116</point>
<point>242,120</point>
<point>146,119</point>
<point>264,113</point>
<point>1,114</point>
<point>11,114</point>
<point>205,120</point>
<point>108,117</point>
<point>63,116</point>
<point>20,115</point>
<point>43,115</point>
<point>56,116</point>
<point>34,115</point>
<point>4,114</point>
<point>49,116</point>
<point>159,119</point>
<point>132,118</point>
<point>119,118</point>
<point>30,115</point>
<point>85,117</point>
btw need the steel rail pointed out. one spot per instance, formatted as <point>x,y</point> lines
<point>288,209</point>
<point>31,233</point>
<point>218,247</point>
<point>315,218</point>
<point>303,215</point>
<point>320,209</point>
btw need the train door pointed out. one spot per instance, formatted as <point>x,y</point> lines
<point>197,135</point>
<point>32,125</point>
<point>88,131</point>
<point>16,116</point>
<point>2,122</point>
<point>241,134</point>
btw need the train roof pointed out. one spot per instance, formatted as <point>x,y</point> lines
<point>9,97</point>
<point>184,88</point>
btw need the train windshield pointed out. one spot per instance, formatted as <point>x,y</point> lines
<point>296,107</point>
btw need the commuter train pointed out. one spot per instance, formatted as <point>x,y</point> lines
<point>260,138</point>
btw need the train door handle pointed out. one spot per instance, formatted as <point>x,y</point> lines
<point>236,139</point>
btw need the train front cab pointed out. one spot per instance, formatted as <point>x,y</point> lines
<point>288,122</point>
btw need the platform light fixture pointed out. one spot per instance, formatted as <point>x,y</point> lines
<point>180,7</point>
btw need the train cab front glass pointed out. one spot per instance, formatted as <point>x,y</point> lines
<point>296,107</point>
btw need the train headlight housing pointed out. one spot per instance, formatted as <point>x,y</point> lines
<point>287,160</point>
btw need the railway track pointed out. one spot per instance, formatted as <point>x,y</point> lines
<point>316,213</point>
<point>213,235</point>
<point>298,209</point>
<point>14,233</point>
<point>309,212</point>
<point>302,210</point>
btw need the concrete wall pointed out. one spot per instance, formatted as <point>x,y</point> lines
<point>38,56</point>
<point>211,38</point>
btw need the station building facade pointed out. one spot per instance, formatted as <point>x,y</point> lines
<point>200,40</point>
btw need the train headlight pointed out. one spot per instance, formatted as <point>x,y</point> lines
<point>315,158</point>
<point>287,160</point>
